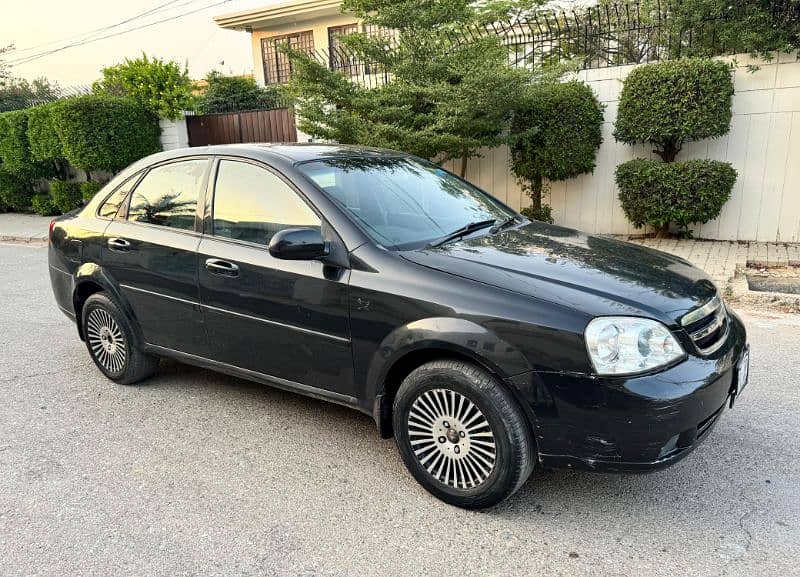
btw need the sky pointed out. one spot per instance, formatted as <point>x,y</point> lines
<point>44,25</point>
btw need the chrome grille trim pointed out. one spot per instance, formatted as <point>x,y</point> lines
<point>702,312</point>
<point>719,319</point>
<point>715,309</point>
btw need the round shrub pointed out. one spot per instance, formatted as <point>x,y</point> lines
<point>555,133</point>
<point>90,188</point>
<point>675,101</point>
<point>66,195</point>
<point>659,193</point>
<point>105,132</point>
<point>15,152</point>
<point>43,205</point>
<point>16,191</point>
<point>42,135</point>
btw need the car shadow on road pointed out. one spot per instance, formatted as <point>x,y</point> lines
<point>700,481</point>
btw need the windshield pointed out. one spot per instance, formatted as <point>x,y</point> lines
<point>402,203</point>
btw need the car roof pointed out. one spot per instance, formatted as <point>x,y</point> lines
<point>291,153</point>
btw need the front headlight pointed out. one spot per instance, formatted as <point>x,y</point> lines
<point>625,345</point>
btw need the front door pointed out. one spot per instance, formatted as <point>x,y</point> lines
<point>152,254</point>
<point>283,319</point>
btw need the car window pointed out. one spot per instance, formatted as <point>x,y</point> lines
<point>110,207</point>
<point>252,204</point>
<point>402,202</point>
<point>167,195</point>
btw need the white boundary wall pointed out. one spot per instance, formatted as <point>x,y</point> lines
<point>763,145</point>
<point>174,133</point>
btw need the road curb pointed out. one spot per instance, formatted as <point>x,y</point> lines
<point>23,239</point>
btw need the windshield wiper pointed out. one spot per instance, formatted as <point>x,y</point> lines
<point>502,224</point>
<point>463,231</point>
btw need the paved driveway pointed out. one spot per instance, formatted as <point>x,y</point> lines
<point>197,473</point>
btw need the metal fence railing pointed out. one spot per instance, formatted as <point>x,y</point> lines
<point>15,97</point>
<point>615,34</point>
<point>607,34</point>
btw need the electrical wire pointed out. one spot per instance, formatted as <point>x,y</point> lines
<point>89,33</point>
<point>26,59</point>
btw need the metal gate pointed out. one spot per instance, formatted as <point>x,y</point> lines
<point>273,125</point>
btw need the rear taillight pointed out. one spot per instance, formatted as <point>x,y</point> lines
<point>50,233</point>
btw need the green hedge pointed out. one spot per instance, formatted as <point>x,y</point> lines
<point>15,152</point>
<point>105,132</point>
<point>659,193</point>
<point>90,188</point>
<point>42,135</point>
<point>43,204</point>
<point>66,195</point>
<point>16,191</point>
<point>675,101</point>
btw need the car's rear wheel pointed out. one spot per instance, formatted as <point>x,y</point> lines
<point>112,342</point>
<point>461,434</point>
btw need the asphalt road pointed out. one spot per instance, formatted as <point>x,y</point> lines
<point>196,473</point>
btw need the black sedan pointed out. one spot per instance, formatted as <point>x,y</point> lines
<point>485,343</point>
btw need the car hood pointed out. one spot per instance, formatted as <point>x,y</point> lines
<point>594,274</point>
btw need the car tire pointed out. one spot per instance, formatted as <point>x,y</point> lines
<point>112,342</point>
<point>461,434</point>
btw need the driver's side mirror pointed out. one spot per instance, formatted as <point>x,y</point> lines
<point>299,244</point>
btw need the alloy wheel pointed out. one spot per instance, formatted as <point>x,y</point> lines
<point>451,438</point>
<point>106,340</point>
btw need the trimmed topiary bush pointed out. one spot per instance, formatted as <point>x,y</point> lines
<point>659,193</point>
<point>66,195</point>
<point>105,132</point>
<point>43,205</point>
<point>555,134</point>
<point>90,188</point>
<point>675,101</point>
<point>42,135</point>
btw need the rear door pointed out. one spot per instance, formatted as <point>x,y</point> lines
<point>280,318</point>
<point>151,252</point>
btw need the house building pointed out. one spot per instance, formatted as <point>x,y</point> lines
<point>763,143</point>
<point>310,25</point>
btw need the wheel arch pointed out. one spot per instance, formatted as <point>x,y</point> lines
<point>417,343</point>
<point>91,279</point>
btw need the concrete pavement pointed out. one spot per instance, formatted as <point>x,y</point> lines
<point>196,473</point>
<point>15,227</point>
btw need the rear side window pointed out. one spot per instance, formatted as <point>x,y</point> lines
<point>167,195</point>
<point>252,204</point>
<point>110,207</point>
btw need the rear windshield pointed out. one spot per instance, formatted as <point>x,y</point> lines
<point>402,203</point>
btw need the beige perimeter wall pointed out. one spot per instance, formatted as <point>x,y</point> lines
<point>763,145</point>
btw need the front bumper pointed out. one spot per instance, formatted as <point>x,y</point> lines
<point>632,424</point>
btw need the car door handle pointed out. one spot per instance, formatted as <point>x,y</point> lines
<point>222,267</point>
<point>119,244</point>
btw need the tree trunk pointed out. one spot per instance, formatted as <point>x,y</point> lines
<point>536,194</point>
<point>463,172</point>
<point>669,151</point>
<point>663,231</point>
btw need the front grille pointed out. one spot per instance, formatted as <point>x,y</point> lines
<point>707,326</point>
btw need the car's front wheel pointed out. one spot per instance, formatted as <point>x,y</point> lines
<point>461,434</point>
<point>112,343</point>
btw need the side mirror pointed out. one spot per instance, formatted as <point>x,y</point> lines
<point>299,244</point>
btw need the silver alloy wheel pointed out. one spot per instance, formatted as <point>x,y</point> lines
<point>451,438</point>
<point>106,340</point>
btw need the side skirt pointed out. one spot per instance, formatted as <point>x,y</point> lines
<point>249,375</point>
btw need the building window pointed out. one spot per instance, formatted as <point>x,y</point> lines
<point>339,56</point>
<point>277,66</point>
<point>388,35</point>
